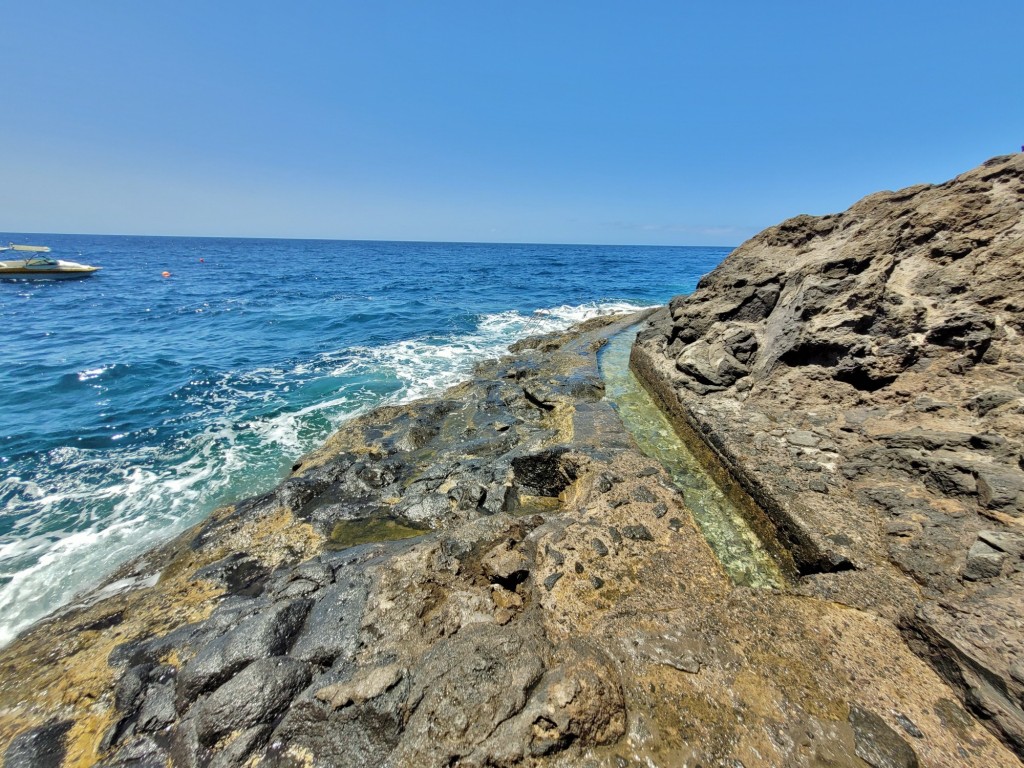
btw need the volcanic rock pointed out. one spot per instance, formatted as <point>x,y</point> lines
<point>883,344</point>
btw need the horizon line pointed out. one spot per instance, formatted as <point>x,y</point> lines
<point>364,240</point>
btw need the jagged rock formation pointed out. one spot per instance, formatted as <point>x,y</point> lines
<point>863,374</point>
<point>497,576</point>
<point>565,610</point>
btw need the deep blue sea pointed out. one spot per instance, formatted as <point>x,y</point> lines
<point>133,404</point>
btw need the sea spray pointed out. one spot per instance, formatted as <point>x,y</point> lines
<point>109,505</point>
<point>134,405</point>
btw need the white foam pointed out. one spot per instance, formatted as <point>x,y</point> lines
<point>87,511</point>
<point>429,365</point>
<point>92,373</point>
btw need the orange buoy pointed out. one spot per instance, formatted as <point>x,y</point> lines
<point>165,274</point>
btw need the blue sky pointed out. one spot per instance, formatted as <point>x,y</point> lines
<point>644,122</point>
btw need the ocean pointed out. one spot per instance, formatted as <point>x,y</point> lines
<point>134,404</point>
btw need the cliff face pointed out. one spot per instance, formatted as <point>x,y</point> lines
<point>863,374</point>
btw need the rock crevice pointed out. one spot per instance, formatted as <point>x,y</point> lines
<point>861,374</point>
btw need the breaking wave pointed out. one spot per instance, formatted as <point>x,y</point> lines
<point>73,515</point>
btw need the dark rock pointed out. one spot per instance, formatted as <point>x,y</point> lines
<point>152,649</point>
<point>295,588</point>
<point>546,473</point>
<point>362,729</point>
<point>157,709</point>
<point>140,752</point>
<point>597,581</point>
<point>185,749</point>
<point>614,535</point>
<point>550,581</point>
<point>803,439</point>
<point>103,622</point>
<point>949,475</point>
<point>908,725</point>
<point>877,744</point>
<point>268,633</point>
<point>332,629</point>
<point>1004,541</point>
<point>464,688</point>
<point>742,344</point>
<point>926,440</point>
<point>643,495</point>
<point>555,556</point>
<point>295,492</point>
<point>660,509</point>
<point>500,498</point>
<point>962,330</point>
<point>467,496</point>
<point>902,528</point>
<point>1000,488</point>
<point>314,570</point>
<point>637,533</point>
<point>129,688</point>
<point>983,562</point>
<point>40,747</point>
<point>241,746</point>
<point>990,400</point>
<point>710,364</point>
<point>253,697</point>
<point>238,573</point>
<point>599,547</point>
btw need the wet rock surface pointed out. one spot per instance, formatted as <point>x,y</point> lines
<point>860,375</point>
<point>497,576</point>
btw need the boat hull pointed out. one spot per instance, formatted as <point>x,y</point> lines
<point>29,275</point>
<point>61,270</point>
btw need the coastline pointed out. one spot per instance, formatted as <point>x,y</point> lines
<point>566,608</point>
<point>136,449</point>
<point>497,575</point>
<point>876,410</point>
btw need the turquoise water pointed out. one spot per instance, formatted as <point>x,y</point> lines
<point>134,404</point>
<point>735,543</point>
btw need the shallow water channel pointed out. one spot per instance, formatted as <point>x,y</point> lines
<point>735,543</point>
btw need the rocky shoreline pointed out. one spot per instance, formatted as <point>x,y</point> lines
<point>861,375</point>
<point>498,576</point>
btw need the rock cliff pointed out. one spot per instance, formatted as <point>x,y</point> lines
<point>863,375</point>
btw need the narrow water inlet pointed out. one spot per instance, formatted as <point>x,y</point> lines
<point>743,555</point>
<point>383,527</point>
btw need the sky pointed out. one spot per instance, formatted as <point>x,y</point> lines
<point>647,122</point>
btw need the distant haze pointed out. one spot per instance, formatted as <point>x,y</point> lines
<point>657,122</point>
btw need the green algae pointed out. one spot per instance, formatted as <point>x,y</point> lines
<point>743,555</point>
<point>369,530</point>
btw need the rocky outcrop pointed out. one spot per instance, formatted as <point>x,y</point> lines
<point>492,577</point>
<point>497,576</point>
<point>862,374</point>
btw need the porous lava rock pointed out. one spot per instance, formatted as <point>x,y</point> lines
<point>863,375</point>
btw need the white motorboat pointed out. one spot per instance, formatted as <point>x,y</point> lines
<point>40,267</point>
